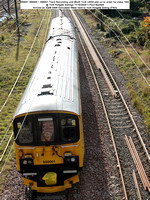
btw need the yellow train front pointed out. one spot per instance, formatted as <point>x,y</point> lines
<point>48,131</point>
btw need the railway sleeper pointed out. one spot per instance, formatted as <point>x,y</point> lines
<point>114,117</point>
<point>122,127</point>
<point>117,107</point>
<point>120,121</point>
<point>116,110</point>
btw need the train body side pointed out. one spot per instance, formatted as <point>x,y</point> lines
<point>48,121</point>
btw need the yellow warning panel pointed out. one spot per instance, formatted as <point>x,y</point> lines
<point>50,178</point>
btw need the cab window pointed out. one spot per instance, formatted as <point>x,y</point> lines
<point>24,132</point>
<point>46,128</point>
<point>68,129</point>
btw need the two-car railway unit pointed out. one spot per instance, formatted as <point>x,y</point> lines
<point>47,124</point>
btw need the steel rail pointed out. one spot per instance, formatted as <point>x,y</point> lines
<point>136,186</point>
<point>94,54</point>
<point>134,159</point>
<point>118,92</point>
<point>138,163</point>
<point>146,181</point>
<point>128,54</point>
<point>107,118</point>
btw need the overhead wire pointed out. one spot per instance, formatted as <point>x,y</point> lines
<point>15,22</point>
<point>126,39</point>
<point>6,26</point>
<point>1,142</point>
<point>46,32</point>
<point>4,136</point>
<point>23,65</point>
<point>14,30</point>
<point>3,166</point>
<point>125,49</point>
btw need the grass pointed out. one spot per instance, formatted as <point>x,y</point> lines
<point>137,87</point>
<point>11,64</point>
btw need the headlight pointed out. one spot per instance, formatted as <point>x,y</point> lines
<point>25,162</point>
<point>30,162</point>
<point>73,159</point>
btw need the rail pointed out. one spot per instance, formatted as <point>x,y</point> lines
<point>115,92</point>
<point>126,114</point>
<point>136,186</point>
<point>137,161</point>
<point>107,118</point>
<point>93,53</point>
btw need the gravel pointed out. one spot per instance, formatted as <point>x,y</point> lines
<point>99,178</point>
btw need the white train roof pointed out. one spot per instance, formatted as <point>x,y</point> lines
<point>54,83</point>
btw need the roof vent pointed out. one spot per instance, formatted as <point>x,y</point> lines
<point>57,45</point>
<point>47,86</point>
<point>46,92</point>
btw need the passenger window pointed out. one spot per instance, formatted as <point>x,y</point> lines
<point>46,126</point>
<point>68,129</point>
<point>25,133</point>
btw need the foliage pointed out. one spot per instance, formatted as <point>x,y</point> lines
<point>137,4</point>
<point>10,66</point>
<point>146,22</point>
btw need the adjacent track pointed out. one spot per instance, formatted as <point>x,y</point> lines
<point>119,118</point>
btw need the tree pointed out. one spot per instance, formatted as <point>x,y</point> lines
<point>135,5</point>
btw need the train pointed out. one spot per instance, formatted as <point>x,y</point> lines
<point>47,124</point>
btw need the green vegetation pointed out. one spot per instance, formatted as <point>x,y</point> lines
<point>138,34</point>
<point>13,52</point>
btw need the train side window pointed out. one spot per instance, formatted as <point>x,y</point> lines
<point>68,129</point>
<point>46,127</point>
<point>25,132</point>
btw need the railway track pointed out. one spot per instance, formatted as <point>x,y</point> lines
<point>120,125</point>
<point>119,119</point>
